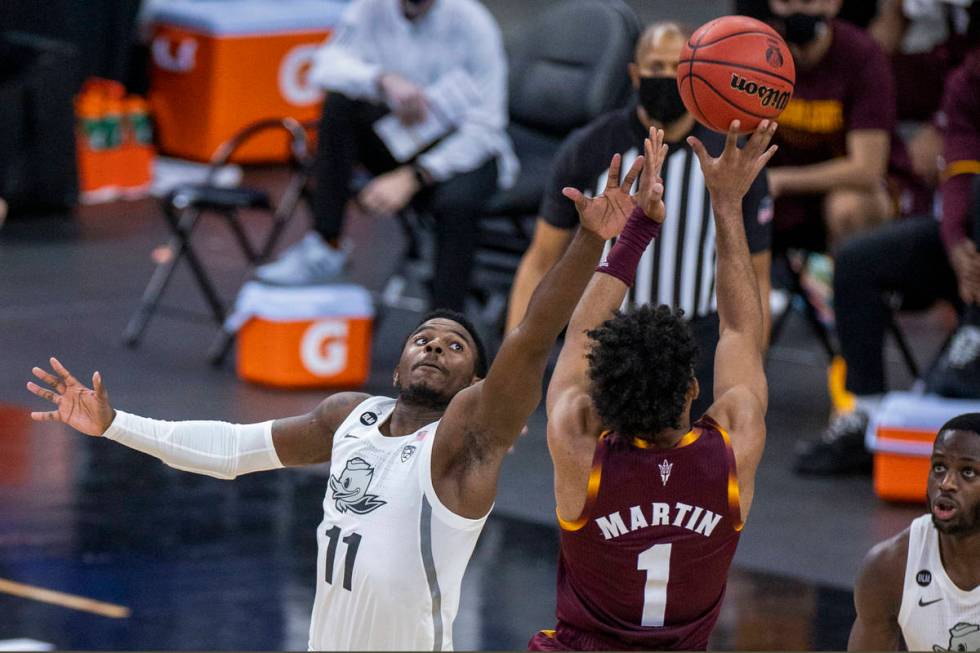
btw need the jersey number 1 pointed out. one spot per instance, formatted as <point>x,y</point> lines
<point>656,562</point>
<point>352,541</point>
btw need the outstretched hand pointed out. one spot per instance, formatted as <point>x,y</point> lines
<point>606,214</point>
<point>730,175</point>
<point>82,408</point>
<point>650,193</point>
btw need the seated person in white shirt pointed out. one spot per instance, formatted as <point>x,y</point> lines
<point>389,56</point>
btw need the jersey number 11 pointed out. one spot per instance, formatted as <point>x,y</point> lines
<point>352,541</point>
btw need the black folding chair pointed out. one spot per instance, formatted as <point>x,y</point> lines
<point>799,301</point>
<point>186,204</point>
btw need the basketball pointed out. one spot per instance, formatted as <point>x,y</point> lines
<point>735,67</point>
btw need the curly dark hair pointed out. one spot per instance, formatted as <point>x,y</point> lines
<point>641,365</point>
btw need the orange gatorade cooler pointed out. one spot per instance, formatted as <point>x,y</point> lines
<point>901,434</point>
<point>317,336</point>
<point>219,65</point>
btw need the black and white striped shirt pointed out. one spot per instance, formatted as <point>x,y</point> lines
<point>678,269</point>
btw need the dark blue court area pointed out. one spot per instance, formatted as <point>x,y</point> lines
<point>205,564</point>
<point>104,548</point>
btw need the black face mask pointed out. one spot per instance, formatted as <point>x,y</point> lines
<point>802,28</point>
<point>661,100</point>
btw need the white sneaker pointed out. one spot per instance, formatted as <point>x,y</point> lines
<point>965,347</point>
<point>309,262</point>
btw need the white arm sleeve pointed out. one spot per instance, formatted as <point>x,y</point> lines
<point>216,449</point>
<point>347,63</point>
<point>482,134</point>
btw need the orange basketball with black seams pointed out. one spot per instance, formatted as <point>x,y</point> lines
<point>735,67</point>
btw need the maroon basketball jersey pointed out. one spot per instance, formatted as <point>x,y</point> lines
<point>646,564</point>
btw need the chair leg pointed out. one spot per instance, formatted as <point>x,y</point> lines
<point>295,193</point>
<point>161,276</point>
<point>903,347</point>
<point>181,248</point>
<point>818,328</point>
<point>204,283</point>
<point>797,292</point>
<point>231,219</point>
<point>780,322</point>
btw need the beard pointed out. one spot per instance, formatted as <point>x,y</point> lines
<point>419,394</point>
<point>964,524</point>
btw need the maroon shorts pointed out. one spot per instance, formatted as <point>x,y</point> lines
<point>544,640</point>
<point>567,638</point>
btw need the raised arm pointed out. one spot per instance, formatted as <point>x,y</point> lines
<point>741,393</point>
<point>605,292</point>
<point>214,448</point>
<point>512,389</point>
<point>492,412</point>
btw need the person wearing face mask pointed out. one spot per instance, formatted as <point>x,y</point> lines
<point>388,63</point>
<point>678,268</point>
<point>829,177</point>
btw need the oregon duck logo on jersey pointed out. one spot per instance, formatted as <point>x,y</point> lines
<point>350,488</point>
<point>962,637</point>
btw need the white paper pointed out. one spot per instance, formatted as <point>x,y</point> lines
<point>448,101</point>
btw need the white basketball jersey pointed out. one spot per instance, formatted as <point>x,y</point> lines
<point>936,615</point>
<point>390,555</point>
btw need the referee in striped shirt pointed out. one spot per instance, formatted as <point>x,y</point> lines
<point>678,269</point>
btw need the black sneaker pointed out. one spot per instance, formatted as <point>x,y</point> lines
<point>840,450</point>
<point>957,372</point>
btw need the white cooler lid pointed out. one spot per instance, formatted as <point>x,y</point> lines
<point>917,412</point>
<point>282,304</point>
<point>244,17</point>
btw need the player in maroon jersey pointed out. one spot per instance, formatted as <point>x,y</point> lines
<point>649,501</point>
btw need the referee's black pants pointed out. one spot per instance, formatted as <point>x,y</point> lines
<point>705,331</point>
<point>906,256</point>
<point>347,138</point>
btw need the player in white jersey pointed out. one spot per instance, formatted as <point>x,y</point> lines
<point>412,479</point>
<point>924,583</point>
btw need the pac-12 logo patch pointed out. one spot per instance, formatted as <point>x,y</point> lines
<point>407,452</point>
<point>350,488</point>
<point>923,578</point>
<point>369,419</point>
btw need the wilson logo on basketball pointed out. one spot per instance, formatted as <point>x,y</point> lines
<point>773,56</point>
<point>770,97</point>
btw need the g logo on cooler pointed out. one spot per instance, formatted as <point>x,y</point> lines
<point>294,78</point>
<point>323,348</point>
<point>179,60</point>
